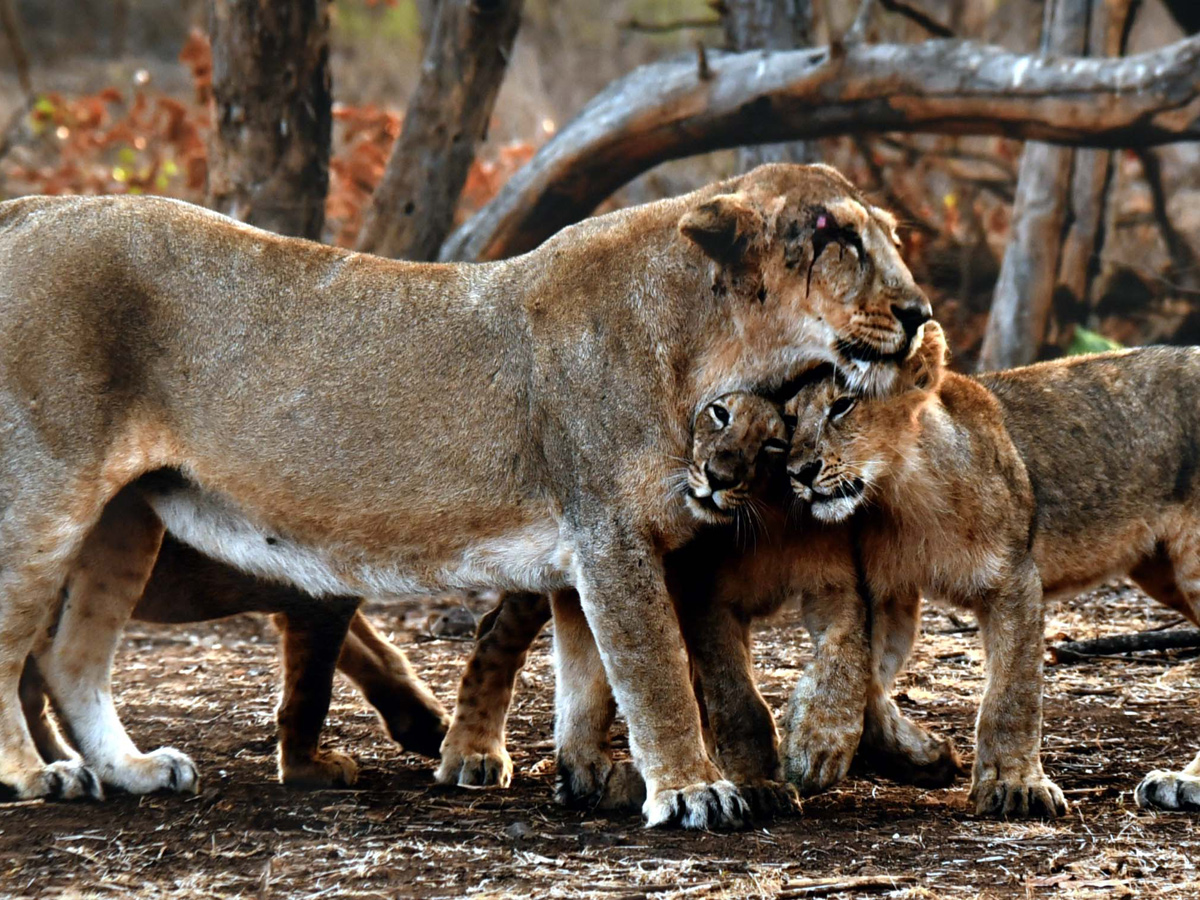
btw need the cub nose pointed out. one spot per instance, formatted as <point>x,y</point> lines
<point>722,474</point>
<point>912,315</point>
<point>807,473</point>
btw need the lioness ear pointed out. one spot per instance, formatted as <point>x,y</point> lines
<point>724,227</point>
<point>926,365</point>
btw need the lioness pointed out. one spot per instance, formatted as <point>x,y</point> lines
<point>993,491</point>
<point>186,586</point>
<point>719,585</point>
<point>357,425</point>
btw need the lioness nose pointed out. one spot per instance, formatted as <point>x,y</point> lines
<point>722,477</point>
<point>912,315</point>
<point>807,473</point>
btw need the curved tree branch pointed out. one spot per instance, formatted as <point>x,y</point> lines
<point>664,111</point>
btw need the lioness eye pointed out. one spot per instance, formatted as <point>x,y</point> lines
<point>840,407</point>
<point>719,414</point>
<point>775,445</point>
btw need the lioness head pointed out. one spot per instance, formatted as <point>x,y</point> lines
<point>844,444</point>
<point>804,239</point>
<point>737,440</point>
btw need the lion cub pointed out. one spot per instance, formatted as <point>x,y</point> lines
<point>992,492</point>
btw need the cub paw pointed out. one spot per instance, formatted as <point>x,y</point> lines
<point>326,769</point>
<point>1032,796</point>
<point>418,728</point>
<point>582,778</point>
<point>625,790</point>
<point>164,769</point>
<point>1169,790</point>
<point>817,759</point>
<point>67,779</point>
<point>770,799</point>
<point>715,806</point>
<point>934,763</point>
<point>489,767</point>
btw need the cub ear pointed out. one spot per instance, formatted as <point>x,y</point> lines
<point>926,364</point>
<point>725,227</point>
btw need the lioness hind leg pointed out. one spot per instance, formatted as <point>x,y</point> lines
<point>473,753</point>
<point>312,640</point>
<point>49,740</point>
<point>103,587</point>
<point>893,745</point>
<point>1171,790</point>
<point>584,713</point>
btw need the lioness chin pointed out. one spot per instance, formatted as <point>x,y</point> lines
<point>355,425</point>
<point>992,491</point>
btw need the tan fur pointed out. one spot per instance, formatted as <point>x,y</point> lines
<point>385,426</point>
<point>989,492</point>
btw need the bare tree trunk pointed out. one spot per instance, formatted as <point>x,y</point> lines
<point>269,157</point>
<point>1059,207</point>
<point>769,25</point>
<point>12,33</point>
<point>412,210</point>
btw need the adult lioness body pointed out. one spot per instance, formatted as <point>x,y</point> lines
<point>356,425</point>
<point>991,491</point>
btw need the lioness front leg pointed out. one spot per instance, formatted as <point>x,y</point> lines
<point>825,714</point>
<point>892,744</point>
<point>1163,789</point>
<point>743,728</point>
<point>105,582</point>
<point>312,641</point>
<point>474,753</point>
<point>624,596</point>
<point>1007,778</point>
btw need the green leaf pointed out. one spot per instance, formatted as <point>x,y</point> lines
<point>1084,341</point>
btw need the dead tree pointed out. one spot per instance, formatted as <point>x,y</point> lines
<point>769,26</point>
<point>666,110</point>
<point>269,155</point>
<point>1059,208</point>
<point>412,210</point>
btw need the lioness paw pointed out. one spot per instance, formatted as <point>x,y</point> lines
<point>716,806</point>
<point>1169,790</point>
<point>325,769</point>
<point>490,767</point>
<point>1033,796</point>
<point>164,769</point>
<point>817,755</point>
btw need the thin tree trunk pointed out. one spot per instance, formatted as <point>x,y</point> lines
<point>1024,297</point>
<point>269,156</point>
<point>412,210</point>
<point>770,25</point>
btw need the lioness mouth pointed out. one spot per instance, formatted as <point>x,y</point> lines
<point>709,506</point>
<point>859,350</point>
<point>845,490</point>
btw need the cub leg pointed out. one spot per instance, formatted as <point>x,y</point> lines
<point>743,731</point>
<point>473,753</point>
<point>583,716</point>
<point>412,715</point>
<point>1007,778</point>
<point>102,590</point>
<point>892,744</point>
<point>50,742</point>
<point>1172,576</point>
<point>825,714</point>
<point>312,641</point>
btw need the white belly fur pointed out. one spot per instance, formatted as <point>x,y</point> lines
<point>535,558</point>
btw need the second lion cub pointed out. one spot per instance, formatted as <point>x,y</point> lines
<point>993,491</point>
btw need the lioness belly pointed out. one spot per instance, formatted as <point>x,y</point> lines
<point>532,557</point>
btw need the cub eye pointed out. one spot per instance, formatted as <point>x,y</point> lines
<point>840,407</point>
<point>775,445</point>
<point>719,414</point>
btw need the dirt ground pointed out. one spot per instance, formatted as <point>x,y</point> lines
<point>210,690</point>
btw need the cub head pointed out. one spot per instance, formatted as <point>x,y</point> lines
<point>738,441</point>
<point>813,269</point>
<point>846,445</point>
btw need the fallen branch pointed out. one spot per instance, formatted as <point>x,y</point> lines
<point>1081,651</point>
<point>666,27</point>
<point>664,111</point>
<point>820,887</point>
